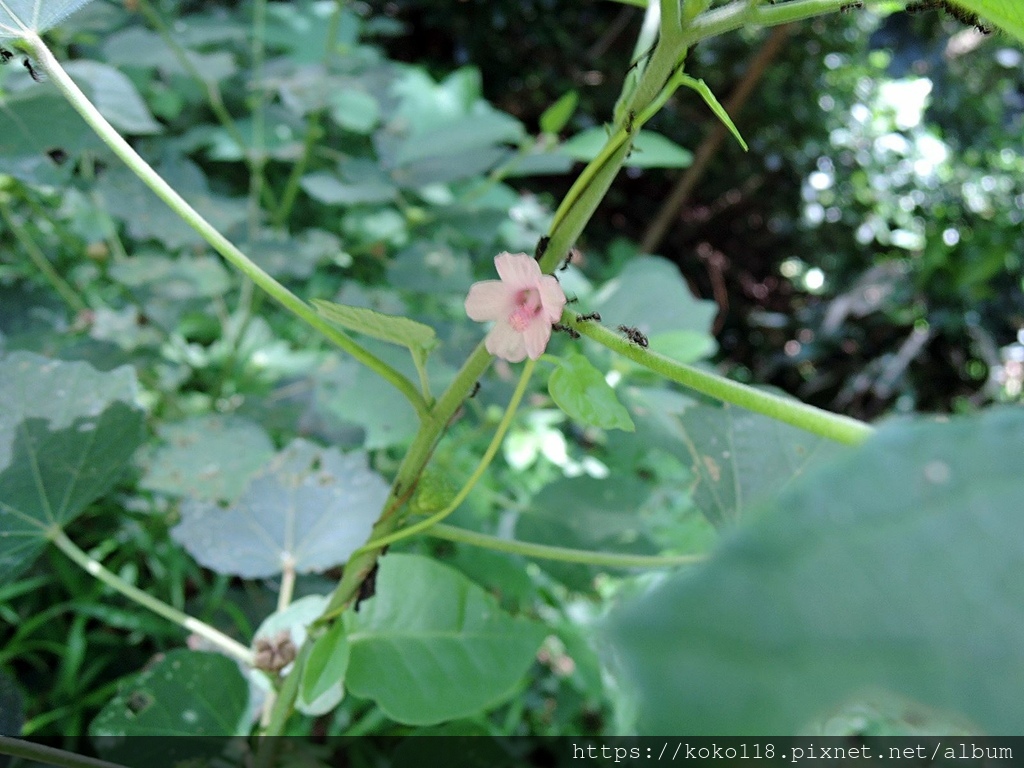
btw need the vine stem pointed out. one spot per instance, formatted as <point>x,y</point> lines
<point>109,135</point>
<point>485,461</point>
<point>562,554</point>
<point>40,753</point>
<point>94,568</point>
<point>834,426</point>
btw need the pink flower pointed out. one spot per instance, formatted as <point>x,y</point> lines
<point>523,306</point>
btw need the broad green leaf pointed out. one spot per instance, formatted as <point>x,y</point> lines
<point>67,431</point>
<point>356,111</point>
<point>590,514</point>
<point>21,17</point>
<point>709,98</point>
<point>740,457</point>
<point>115,96</point>
<point>324,674</point>
<point>431,645</point>
<point>328,189</point>
<point>650,150</point>
<point>207,457</point>
<point>554,118</point>
<point>1008,15</point>
<point>899,567</point>
<point>579,389</point>
<point>389,328</point>
<point>650,293</point>
<point>311,507</point>
<point>186,693</point>
<point>685,346</point>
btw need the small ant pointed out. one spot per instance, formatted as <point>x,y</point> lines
<point>476,388</point>
<point>634,335</point>
<point>630,117</point>
<point>847,7</point>
<point>542,247</point>
<point>589,316</point>
<point>573,333</point>
<point>31,70</point>
<point>573,300</point>
<point>568,260</point>
<point>5,55</point>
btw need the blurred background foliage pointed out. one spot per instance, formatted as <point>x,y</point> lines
<point>865,255</point>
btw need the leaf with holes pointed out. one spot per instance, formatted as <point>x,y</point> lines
<point>67,431</point>
<point>898,567</point>
<point>311,508</point>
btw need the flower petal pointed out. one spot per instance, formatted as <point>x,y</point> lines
<point>536,337</point>
<point>506,343</point>
<point>517,270</point>
<point>552,298</point>
<point>488,300</point>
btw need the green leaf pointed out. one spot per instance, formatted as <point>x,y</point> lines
<point>554,118</point>
<point>898,567</point>
<point>433,646</point>
<point>324,673</point>
<point>389,328</point>
<point>312,507</point>
<point>356,111</point>
<point>1008,15</point>
<point>18,17</point>
<point>650,150</point>
<point>709,98</point>
<point>740,457</point>
<point>67,432</point>
<point>115,96</point>
<point>590,514</point>
<point>649,293</point>
<point>207,457</point>
<point>684,346</point>
<point>579,389</point>
<point>186,693</point>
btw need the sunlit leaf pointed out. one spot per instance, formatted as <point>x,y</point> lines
<point>311,507</point>
<point>1008,15</point>
<point>389,328</point>
<point>579,389</point>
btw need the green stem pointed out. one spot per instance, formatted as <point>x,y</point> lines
<point>562,554</point>
<point>95,568</point>
<point>38,753</point>
<point>221,244</point>
<point>842,429</point>
<point>38,258</point>
<point>492,449</point>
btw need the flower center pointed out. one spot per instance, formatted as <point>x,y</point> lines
<point>527,307</point>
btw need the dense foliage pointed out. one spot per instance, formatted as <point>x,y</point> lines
<point>227,463</point>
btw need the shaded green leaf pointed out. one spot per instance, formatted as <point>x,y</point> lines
<point>115,96</point>
<point>389,328</point>
<point>898,567</point>
<point>356,111</point>
<point>66,433</point>
<point>650,150</point>
<point>579,389</point>
<point>18,17</point>
<point>740,457</point>
<point>311,507</point>
<point>554,118</point>
<point>208,457</point>
<point>174,697</point>
<point>433,646</point>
